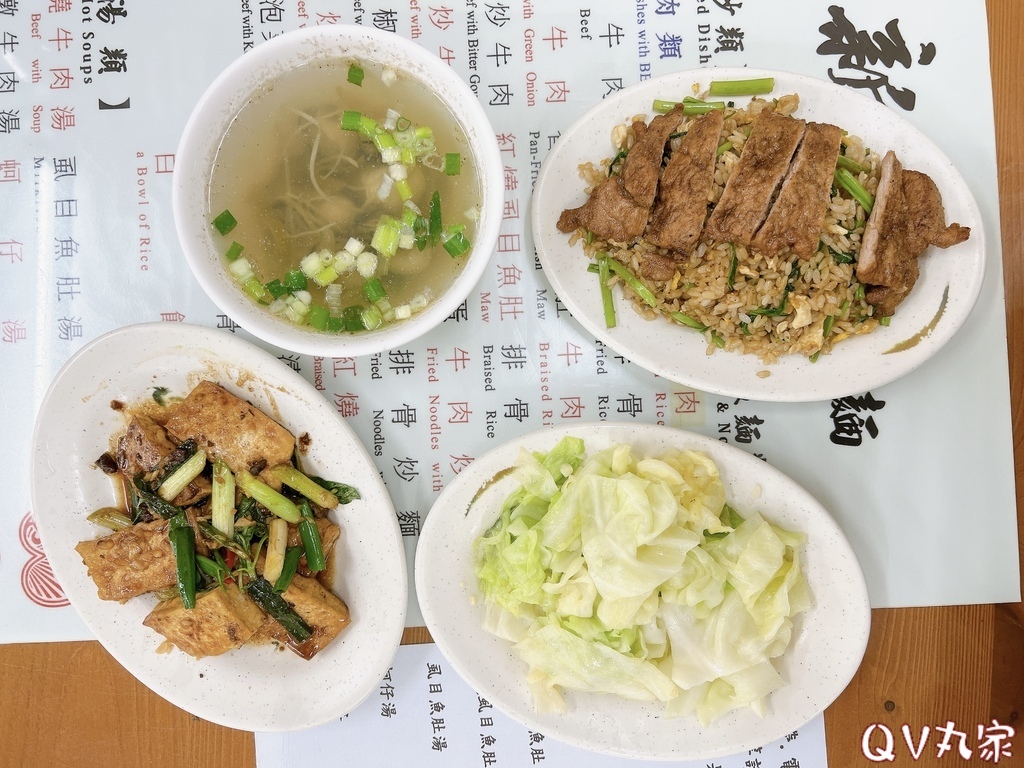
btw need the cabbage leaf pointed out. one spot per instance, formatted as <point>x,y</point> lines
<point>632,576</point>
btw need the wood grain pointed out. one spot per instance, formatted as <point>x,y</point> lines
<point>71,704</point>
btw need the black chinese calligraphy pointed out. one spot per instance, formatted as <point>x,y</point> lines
<point>866,58</point>
<point>852,417</point>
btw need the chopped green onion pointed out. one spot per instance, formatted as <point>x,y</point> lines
<point>178,480</point>
<point>343,492</point>
<point>839,257</point>
<point>335,324</point>
<point>311,541</point>
<point>352,318</point>
<point>111,518</point>
<point>826,327</point>
<point>213,568</point>
<point>288,569</point>
<point>317,317</point>
<point>222,499</point>
<point>732,266</point>
<point>368,127</point>
<point>234,251</point>
<point>277,544</point>
<point>374,291</point>
<point>845,179</point>
<point>386,236</point>
<point>607,300</point>
<point>884,321</point>
<point>409,217</point>
<point>225,222</point>
<point>751,87</point>
<point>261,591</point>
<point>770,311</point>
<point>723,148</point>
<point>851,165</point>
<point>319,266</point>
<point>355,74</point>
<point>255,288</point>
<point>645,293</point>
<point>276,288</point>
<point>611,166</point>
<point>267,496</point>
<point>690,106</point>
<point>144,496</point>
<point>295,280</point>
<point>183,545</point>
<point>452,163</point>
<point>351,120</point>
<point>420,231</point>
<point>371,318</point>
<point>456,245</point>
<point>434,220</point>
<point>313,491</point>
<point>688,321</point>
<point>404,189</point>
<point>383,141</point>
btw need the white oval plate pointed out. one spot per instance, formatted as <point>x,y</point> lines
<point>855,365</point>
<point>253,688</point>
<point>828,641</point>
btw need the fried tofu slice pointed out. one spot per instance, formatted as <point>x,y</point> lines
<point>325,613</point>
<point>143,447</point>
<point>146,446</point>
<point>231,429</point>
<point>222,620</point>
<point>130,562</point>
<point>754,181</point>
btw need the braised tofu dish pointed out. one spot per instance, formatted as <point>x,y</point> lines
<point>221,524</point>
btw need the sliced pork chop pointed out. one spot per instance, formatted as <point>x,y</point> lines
<point>682,203</point>
<point>610,213</point>
<point>641,167</point>
<point>618,207</point>
<point>796,219</point>
<point>927,216</point>
<point>907,217</point>
<point>751,187</point>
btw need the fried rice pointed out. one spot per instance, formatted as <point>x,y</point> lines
<point>748,302</point>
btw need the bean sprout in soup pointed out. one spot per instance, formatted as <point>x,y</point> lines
<point>344,206</point>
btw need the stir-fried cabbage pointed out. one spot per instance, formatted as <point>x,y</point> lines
<point>632,576</point>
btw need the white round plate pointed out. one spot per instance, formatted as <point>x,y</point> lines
<point>255,688</point>
<point>828,640</point>
<point>680,355</point>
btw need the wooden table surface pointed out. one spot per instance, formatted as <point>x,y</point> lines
<point>71,704</point>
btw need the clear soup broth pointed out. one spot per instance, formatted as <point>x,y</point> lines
<point>299,183</point>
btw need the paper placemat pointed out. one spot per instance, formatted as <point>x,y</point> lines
<point>424,714</point>
<point>93,98</point>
